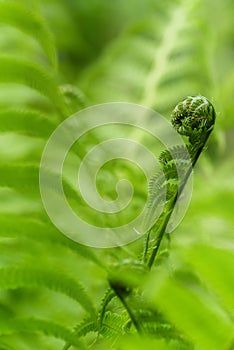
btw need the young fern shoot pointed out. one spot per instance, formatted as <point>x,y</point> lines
<point>193,118</point>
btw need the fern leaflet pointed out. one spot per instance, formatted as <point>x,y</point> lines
<point>15,277</point>
<point>17,15</point>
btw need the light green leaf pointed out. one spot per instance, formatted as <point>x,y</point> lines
<point>154,63</point>
<point>24,276</point>
<point>215,266</point>
<point>17,226</point>
<point>17,15</point>
<point>192,311</point>
<point>14,70</point>
<point>28,122</point>
<point>33,325</point>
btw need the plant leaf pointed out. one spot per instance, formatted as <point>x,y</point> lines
<point>28,122</point>
<point>17,226</point>
<point>188,308</point>
<point>33,325</point>
<point>24,276</point>
<point>216,270</point>
<point>154,63</point>
<point>18,16</point>
<point>14,70</point>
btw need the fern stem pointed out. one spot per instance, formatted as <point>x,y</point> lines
<point>109,295</point>
<point>194,117</point>
<point>163,226</point>
<point>126,306</point>
<point>146,246</point>
<point>67,346</point>
<point>158,240</point>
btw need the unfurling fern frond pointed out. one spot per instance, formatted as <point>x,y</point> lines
<point>178,152</point>
<point>174,162</point>
<point>194,118</point>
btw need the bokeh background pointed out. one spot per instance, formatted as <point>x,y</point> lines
<point>57,57</point>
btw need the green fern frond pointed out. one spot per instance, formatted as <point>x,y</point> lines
<point>155,62</point>
<point>161,330</point>
<point>17,226</point>
<point>25,179</point>
<point>27,122</point>
<point>170,171</point>
<point>17,15</point>
<point>194,118</point>
<point>137,66</point>
<point>14,70</point>
<point>33,325</point>
<point>109,295</point>
<point>164,185</point>
<point>22,178</point>
<point>158,195</point>
<point>178,152</point>
<point>112,325</point>
<point>85,327</point>
<point>16,277</point>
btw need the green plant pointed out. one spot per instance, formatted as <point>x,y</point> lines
<point>163,293</point>
<point>194,117</point>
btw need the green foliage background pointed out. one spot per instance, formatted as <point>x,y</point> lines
<point>56,57</point>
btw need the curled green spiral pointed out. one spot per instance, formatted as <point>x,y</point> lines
<point>194,117</point>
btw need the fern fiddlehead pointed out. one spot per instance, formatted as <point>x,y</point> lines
<point>194,118</point>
